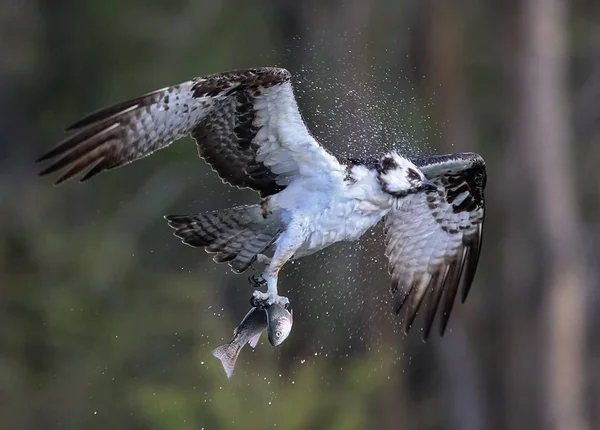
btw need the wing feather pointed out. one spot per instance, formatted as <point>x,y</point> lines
<point>433,239</point>
<point>246,123</point>
<point>435,294</point>
<point>449,292</point>
<point>125,132</point>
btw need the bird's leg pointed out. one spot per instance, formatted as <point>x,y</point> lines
<point>257,281</point>
<point>287,244</point>
<point>260,299</point>
<point>263,259</point>
<point>266,299</point>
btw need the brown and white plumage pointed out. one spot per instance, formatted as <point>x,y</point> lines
<point>434,238</point>
<point>246,123</point>
<point>235,235</point>
<point>248,128</point>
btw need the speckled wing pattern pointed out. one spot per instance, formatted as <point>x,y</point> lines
<point>246,123</point>
<point>433,239</point>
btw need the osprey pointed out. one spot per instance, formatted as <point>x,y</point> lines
<point>248,128</point>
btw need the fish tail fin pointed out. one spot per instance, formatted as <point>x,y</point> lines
<point>228,355</point>
<point>236,235</point>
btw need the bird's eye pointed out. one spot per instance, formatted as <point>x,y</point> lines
<point>413,175</point>
<point>278,334</point>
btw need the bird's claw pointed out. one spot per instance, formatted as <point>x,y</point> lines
<point>264,300</point>
<point>257,281</point>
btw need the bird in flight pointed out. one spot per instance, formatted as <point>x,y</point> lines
<point>247,126</point>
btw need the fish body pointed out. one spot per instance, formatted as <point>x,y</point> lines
<point>248,331</point>
<point>275,318</point>
<point>279,323</point>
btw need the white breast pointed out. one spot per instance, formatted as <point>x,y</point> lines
<point>341,214</point>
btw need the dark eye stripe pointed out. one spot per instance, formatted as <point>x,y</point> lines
<point>413,175</point>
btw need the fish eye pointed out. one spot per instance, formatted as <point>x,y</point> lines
<point>278,333</point>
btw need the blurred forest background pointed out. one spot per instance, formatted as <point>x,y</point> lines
<point>107,321</point>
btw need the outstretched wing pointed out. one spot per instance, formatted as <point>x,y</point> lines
<point>246,123</point>
<point>433,239</point>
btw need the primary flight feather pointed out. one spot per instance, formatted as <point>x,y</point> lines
<point>248,128</point>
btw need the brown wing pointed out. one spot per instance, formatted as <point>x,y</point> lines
<point>433,239</point>
<point>246,124</point>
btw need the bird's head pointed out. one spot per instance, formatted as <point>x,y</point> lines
<point>399,176</point>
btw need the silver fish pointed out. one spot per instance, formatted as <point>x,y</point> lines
<point>250,330</point>
<point>279,323</point>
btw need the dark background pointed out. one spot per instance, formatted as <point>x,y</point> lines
<point>107,321</point>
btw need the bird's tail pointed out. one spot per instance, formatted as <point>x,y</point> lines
<point>228,354</point>
<point>236,235</point>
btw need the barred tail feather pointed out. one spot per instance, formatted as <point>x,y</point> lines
<point>236,235</point>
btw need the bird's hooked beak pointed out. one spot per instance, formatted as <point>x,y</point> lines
<point>428,185</point>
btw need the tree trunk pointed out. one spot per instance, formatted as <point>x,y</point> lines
<point>546,145</point>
